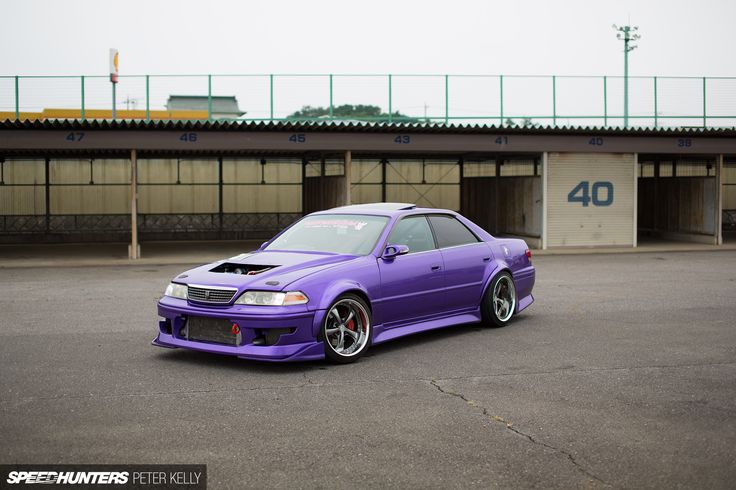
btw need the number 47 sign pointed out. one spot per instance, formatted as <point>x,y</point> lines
<point>584,193</point>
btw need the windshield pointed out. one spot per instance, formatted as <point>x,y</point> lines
<point>352,234</point>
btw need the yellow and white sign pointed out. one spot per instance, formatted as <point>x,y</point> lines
<point>114,65</point>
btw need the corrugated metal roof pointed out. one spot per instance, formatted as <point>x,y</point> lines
<point>354,126</point>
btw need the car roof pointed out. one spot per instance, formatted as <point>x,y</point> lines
<point>382,209</point>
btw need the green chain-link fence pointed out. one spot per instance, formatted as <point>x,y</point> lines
<point>449,99</point>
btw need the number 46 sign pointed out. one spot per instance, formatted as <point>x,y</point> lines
<point>600,193</point>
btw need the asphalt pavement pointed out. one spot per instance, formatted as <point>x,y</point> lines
<point>622,374</point>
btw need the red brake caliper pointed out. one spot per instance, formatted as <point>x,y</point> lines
<point>351,325</point>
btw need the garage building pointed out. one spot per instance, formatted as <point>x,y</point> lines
<point>63,181</point>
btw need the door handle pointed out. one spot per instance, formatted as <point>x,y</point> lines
<point>486,259</point>
<point>436,267</point>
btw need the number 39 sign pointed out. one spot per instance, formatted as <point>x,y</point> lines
<point>600,194</point>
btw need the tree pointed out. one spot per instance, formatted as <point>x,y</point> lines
<point>525,123</point>
<point>349,111</point>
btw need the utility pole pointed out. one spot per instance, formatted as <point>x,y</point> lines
<point>128,102</point>
<point>628,35</point>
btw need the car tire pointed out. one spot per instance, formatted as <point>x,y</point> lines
<point>499,301</point>
<point>347,329</point>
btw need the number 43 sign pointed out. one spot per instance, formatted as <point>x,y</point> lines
<point>600,193</point>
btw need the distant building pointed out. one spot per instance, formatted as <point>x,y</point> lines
<point>223,106</point>
<point>56,114</point>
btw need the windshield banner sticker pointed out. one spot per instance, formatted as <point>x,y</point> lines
<point>336,223</point>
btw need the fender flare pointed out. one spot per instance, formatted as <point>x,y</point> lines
<point>500,266</point>
<point>332,292</point>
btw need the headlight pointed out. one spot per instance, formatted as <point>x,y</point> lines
<point>270,298</point>
<point>176,291</point>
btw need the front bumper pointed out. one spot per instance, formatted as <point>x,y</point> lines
<point>254,321</point>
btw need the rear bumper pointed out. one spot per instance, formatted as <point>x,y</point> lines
<point>299,344</point>
<point>524,281</point>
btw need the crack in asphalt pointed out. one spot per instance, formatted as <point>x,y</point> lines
<point>509,426</point>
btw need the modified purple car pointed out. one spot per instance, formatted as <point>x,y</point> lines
<point>337,281</point>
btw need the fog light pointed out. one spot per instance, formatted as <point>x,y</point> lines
<point>164,325</point>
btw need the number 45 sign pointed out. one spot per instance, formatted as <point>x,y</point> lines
<point>601,193</point>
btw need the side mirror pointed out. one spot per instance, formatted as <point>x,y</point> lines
<point>393,251</point>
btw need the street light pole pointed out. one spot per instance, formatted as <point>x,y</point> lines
<point>114,79</point>
<point>628,35</point>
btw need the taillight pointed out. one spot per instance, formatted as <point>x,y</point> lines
<point>528,254</point>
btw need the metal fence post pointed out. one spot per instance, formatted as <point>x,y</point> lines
<point>705,123</point>
<point>554,100</point>
<point>390,101</point>
<point>148,101</point>
<point>17,99</point>
<point>447,99</point>
<point>270,92</point>
<point>500,83</point>
<point>331,107</point>
<point>605,101</point>
<point>81,79</point>
<point>209,97</point>
<point>656,110</point>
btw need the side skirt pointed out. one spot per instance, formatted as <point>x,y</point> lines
<point>382,335</point>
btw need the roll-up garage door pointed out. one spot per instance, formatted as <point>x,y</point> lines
<point>590,199</point>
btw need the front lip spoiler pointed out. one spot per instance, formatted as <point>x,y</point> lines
<point>159,344</point>
<point>306,351</point>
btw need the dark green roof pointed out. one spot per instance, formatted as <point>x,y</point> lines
<point>221,104</point>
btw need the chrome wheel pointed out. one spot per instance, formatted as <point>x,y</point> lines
<point>347,327</point>
<point>504,298</point>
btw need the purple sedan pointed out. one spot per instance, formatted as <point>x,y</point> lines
<point>338,281</point>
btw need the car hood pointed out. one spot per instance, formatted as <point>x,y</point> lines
<point>286,267</point>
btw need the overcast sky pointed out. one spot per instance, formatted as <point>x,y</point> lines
<point>679,38</point>
<point>377,36</point>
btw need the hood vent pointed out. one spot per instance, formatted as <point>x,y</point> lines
<point>243,269</point>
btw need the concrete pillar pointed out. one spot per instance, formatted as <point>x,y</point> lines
<point>348,171</point>
<point>496,192</point>
<point>47,189</point>
<point>636,199</point>
<point>134,251</point>
<point>383,179</point>
<point>719,201</point>
<point>545,198</point>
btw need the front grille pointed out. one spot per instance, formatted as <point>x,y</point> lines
<point>218,330</point>
<point>210,295</point>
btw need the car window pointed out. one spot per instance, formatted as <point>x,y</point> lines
<point>450,232</point>
<point>414,232</point>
